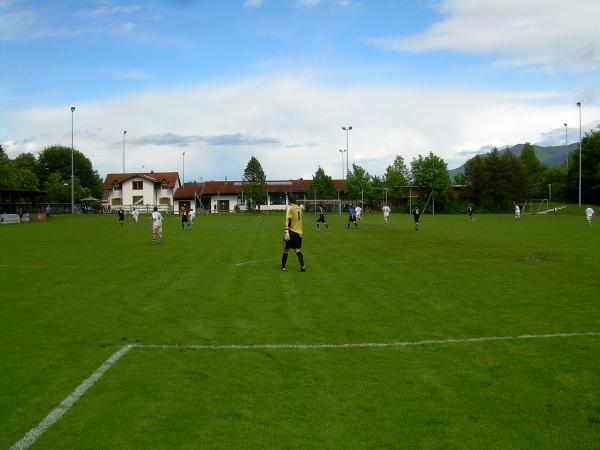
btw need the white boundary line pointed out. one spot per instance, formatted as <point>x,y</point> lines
<point>56,414</point>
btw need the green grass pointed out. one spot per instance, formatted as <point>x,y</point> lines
<point>76,289</point>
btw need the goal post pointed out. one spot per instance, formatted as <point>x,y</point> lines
<point>330,205</point>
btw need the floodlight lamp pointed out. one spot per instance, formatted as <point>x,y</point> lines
<point>565,124</point>
<point>72,109</point>
<point>579,104</point>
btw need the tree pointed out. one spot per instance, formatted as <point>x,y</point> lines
<point>496,180</point>
<point>254,183</point>
<point>358,183</point>
<point>590,170</point>
<point>533,169</point>
<point>322,186</point>
<point>430,174</point>
<point>57,159</point>
<point>25,161</point>
<point>396,176</point>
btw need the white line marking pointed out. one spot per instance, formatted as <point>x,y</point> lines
<point>246,262</point>
<point>56,414</point>
<point>357,345</point>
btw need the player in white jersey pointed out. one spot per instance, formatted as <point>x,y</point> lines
<point>135,214</point>
<point>517,212</point>
<point>192,215</point>
<point>589,214</point>
<point>156,226</point>
<point>358,211</point>
<point>386,213</point>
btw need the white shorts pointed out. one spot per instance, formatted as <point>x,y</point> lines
<point>589,218</point>
<point>157,228</point>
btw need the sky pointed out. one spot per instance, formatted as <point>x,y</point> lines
<point>204,85</point>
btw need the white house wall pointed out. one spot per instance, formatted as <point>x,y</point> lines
<point>147,192</point>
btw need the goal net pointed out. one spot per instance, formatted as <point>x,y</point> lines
<point>535,206</point>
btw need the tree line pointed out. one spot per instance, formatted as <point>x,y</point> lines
<point>50,173</point>
<point>491,182</point>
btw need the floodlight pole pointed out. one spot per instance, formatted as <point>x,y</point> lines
<point>124,133</point>
<point>579,106</point>
<point>566,145</point>
<point>72,167</point>
<point>347,130</point>
<point>342,152</point>
<point>183,168</point>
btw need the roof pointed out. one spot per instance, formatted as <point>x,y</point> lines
<point>156,177</point>
<point>185,192</point>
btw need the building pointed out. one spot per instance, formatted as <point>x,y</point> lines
<point>228,196</point>
<point>141,190</point>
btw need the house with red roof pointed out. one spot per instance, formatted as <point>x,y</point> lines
<point>141,190</point>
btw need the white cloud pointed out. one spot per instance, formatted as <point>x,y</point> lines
<point>552,34</point>
<point>292,125</point>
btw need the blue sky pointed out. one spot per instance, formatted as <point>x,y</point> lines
<point>225,80</point>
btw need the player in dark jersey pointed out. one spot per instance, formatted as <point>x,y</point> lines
<point>416,212</point>
<point>184,218</point>
<point>470,212</point>
<point>121,216</point>
<point>321,219</point>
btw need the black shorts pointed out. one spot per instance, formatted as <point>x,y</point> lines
<point>321,218</point>
<point>184,219</point>
<point>352,219</point>
<point>294,242</point>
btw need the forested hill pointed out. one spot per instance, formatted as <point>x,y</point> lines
<point>551,156</point>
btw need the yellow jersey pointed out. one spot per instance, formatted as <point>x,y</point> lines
<point>293,219</point>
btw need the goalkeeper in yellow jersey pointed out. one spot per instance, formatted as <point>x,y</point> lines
<point>293,234</point>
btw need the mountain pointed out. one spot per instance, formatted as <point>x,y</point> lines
<point>551,156</point>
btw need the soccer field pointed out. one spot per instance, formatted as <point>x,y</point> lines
<point>482,334</point>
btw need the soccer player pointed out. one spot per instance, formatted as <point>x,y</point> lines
<point>192,216</point>
<point>589,214</point>
<point>321,219</point>
<point>470,212</point>
<point>292,238</point>
<point>358,213</point>
<point>351,216</point>
<point>135,214</point>
<point>156,226</point>
<point>416,212</point>
<point>517,212</point>
<point>386,213</point>
<point>121,216</point>
<point>184,218</point>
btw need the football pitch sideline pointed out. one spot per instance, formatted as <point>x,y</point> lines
<point>482,334</point>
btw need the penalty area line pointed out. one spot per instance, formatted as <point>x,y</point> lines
<point>57,413</point>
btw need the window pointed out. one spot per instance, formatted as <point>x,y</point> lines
<point>117,202</point>
<point>117,187</point>
<point>277,198</point>
<point>138,200</point>
<point>164,185</point>
<point>164,200</point>
<point>138,185</point>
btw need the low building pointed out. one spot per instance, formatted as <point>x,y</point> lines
<point>141,190</point>
<point>227,196</point>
